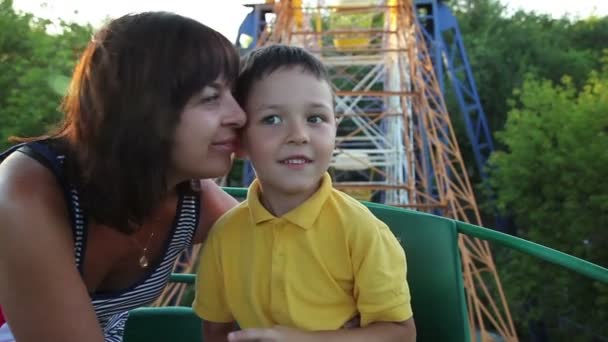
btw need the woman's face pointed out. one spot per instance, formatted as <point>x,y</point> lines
<point>206,135</point>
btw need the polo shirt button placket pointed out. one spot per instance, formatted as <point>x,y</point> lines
<point>278,264</point>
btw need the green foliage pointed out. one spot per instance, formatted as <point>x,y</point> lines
<point>504,47</point>
<point>552,178</point>
<point>551,173</point>
<point>34,70</point>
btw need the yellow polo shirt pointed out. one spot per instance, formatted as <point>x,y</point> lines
<point>314,268</point>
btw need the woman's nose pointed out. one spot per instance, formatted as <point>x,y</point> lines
<point>235,117</point>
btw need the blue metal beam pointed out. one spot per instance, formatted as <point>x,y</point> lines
<point>441,30</point>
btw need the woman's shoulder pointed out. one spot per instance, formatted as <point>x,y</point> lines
<point>25,182</point>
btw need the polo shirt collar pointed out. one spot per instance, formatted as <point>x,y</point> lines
<point>304,216</point>
<point>257,211</point>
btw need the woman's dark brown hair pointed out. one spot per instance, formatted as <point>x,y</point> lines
<point>125,100</point>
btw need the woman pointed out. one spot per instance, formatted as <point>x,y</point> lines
<point>93,216</point>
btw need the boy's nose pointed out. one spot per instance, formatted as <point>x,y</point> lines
<point>298,134</point>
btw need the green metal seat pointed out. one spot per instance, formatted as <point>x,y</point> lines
<point>434,272</point>
<point>172,323</point>
<point>434,276</point>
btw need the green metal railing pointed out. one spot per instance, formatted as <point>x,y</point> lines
<point>572,263</point>
<point>550,255</point>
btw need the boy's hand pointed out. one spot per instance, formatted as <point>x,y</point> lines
<point>274,334</point>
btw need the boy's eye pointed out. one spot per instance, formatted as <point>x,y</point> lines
<point>316,118</point>
<point>271,120</point>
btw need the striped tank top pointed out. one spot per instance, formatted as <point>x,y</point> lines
<point>112,308</point>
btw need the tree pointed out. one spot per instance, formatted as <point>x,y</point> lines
<point>552,179</point>
<point>504,47</point>
<point>34,70</point>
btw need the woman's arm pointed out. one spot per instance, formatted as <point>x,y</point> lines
<point>214,203</point>
<point>42,293</point>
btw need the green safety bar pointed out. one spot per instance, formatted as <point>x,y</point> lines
<point>186,278</point>
<point>236,192</point>
<point>550,255</point>
<point>553,256</point>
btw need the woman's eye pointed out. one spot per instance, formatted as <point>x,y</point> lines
<point>210,98</point>
<point>271,120</point>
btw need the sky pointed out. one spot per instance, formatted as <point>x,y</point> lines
<point>225,16</point>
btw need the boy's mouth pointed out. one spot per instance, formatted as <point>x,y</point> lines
<point>296,160</point>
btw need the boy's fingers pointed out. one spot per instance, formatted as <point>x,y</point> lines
<point>251,335</point>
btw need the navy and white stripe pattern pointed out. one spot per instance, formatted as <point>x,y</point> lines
<point>78,224</point>
<point>112,309</point>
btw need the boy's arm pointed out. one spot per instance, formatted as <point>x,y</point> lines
<point>210,296</point>
<point>381,290</point>
<point>216,332</point>
<point>381,331</point>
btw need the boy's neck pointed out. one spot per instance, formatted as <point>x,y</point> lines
<point>279,203</point>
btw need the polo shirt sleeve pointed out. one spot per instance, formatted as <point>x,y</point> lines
<point>381,290</point>
<point>210,296</point>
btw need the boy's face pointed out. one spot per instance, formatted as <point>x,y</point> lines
<point>290,132</point>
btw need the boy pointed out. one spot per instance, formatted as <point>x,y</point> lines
<point>298,259</point>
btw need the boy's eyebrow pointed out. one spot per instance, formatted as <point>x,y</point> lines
<point>271,106</point>
<point>320,104</point>
<point>276,106</point>
<point>268,106</point>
